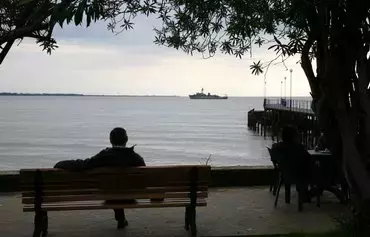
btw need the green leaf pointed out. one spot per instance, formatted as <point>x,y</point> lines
<point>89,11</point>
<point>78,17</point>
<point>226,47</point>
<point>256,68</point>
<point>57,15</point>
<point>69,15</point>
<point>61,21</point>
<point>259,42</point>
<point>24,2</point>
<point>80,12</point>
<point>127,25</point>
<point>88,20</point>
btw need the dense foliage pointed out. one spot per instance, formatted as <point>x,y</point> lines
<point>37,19</point>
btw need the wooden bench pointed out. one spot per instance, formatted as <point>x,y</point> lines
<point>152,187</point>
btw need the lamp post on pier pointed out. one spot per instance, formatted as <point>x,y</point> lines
<point>264,92</point>
<point>291,83</point>
<point>264,89</point>
<point>284,87</point>
<point>281,90</point>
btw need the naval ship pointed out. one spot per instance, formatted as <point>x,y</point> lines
<point>201,95</point>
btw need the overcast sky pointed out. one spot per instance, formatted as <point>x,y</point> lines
<point>95,61</point>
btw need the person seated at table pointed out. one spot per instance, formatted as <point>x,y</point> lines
<point>294,161</point>
<point>117,155</point>
<point>321,143</point>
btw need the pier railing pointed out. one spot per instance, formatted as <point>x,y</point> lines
<point>302,106</point>
<point>279,112</point>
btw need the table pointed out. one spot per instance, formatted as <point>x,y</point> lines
<point>324,167</point>
<point>319,153</point>
<point>326,174</point>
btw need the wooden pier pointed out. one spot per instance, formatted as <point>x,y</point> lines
<point>280,112</point>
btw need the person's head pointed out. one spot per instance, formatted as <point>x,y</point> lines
<point>118,137</point>
<point>289,134</point>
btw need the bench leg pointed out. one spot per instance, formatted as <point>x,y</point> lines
<point>36,232</point>
<point>300,201</point>
<point>193,225</point>
<point>45,224</point>
<point>277,192</point>
<point>287,193</point>
<point>190,220</point>
<point>40,224</point>
<point>318,198</point>
<point>187,212</point>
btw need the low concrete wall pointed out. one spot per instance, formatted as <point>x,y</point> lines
<point>9,181</point>
<point>221,177</point>
<point>241,176</point>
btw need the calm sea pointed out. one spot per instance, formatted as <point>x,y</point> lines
<point>39,131</point>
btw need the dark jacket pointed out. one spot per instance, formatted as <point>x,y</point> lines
<point>321,143</point>
<point>115,157</point>
<point>294,161</point>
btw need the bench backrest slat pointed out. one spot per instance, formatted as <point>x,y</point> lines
<point>139,177</point>
<point>172,182</point>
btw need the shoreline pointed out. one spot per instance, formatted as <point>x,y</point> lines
<point>77,95</point>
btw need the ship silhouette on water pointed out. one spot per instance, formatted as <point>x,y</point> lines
<point>201,95</point>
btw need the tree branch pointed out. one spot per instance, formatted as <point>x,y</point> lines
<point>307,66</point>
<point>19,33</point>
<point>38,37</point>
<point>5,50</point>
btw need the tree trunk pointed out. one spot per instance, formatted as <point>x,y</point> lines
<point>342,109</point>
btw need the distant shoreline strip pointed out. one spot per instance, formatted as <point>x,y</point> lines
<point>71,94</point>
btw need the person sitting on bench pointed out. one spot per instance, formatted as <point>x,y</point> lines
<point>294,161</point>
<point>116,156</point>
<point>322,143</point>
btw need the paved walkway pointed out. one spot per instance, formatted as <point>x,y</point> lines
<point>231,212</point>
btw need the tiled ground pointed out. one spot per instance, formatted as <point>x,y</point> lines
<point>231,211</point>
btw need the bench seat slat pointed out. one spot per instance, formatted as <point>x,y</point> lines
<point>102,205</point>
<point>140,183</point>
<point>121,180</point>
<point>67,198</point>
<point>97,191</point>
<point>118,192</point>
